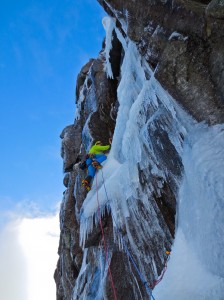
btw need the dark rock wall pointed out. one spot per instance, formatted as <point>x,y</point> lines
<point>182,41</point>
<point>189,65</point>
<point>97,111</point>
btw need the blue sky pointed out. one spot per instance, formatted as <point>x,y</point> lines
<point>43,45</point>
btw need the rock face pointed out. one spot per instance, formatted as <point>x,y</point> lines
<point>183,41</point>
<point>96,104</point>
<point>178,44</point>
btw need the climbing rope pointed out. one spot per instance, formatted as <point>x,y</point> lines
<point>161,276</point>
<point>163,272</point>
<point>148,289</point>
<point>104,242</point>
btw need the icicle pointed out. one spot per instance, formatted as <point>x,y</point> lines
<point>109,26</point>
<point>88,224</point>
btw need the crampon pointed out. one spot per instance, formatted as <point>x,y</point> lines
<point>85,183</point>
<point>96,165</point>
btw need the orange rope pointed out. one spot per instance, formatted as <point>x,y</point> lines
<point>104,242</point>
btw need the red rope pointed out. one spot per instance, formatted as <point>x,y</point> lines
<point>104,242</point>
<point>161,276</point>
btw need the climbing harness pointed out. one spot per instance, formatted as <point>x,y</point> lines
<point>104,242</point>
<point>86,184</point>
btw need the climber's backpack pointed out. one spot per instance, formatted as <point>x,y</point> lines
<point>83,165</point>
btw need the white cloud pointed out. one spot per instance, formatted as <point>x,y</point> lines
<point>13,270</point>
<point>28,257</point>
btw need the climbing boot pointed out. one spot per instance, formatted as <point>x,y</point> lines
<point>86,184</point>
<point>96,164</point>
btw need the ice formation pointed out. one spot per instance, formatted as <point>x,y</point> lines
<point>195,270</point>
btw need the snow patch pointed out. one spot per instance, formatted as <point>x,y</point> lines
<point>177,36</point>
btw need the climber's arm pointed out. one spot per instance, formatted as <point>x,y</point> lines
<point>102,148</point>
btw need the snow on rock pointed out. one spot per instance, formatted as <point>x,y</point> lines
<point>177,36</point>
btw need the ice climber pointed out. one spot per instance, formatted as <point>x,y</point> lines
<point>93,161</point>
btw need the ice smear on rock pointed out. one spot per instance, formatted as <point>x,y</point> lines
<point>91,285</point>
